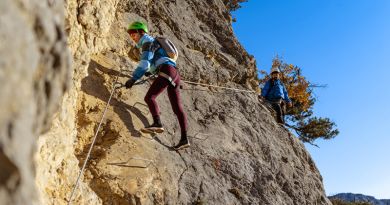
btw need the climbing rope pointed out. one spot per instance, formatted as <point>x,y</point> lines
<point>215,86</point>
<point>263,103</point>
<point>94,139</point>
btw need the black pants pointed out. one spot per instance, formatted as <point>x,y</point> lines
<point>277,105</point>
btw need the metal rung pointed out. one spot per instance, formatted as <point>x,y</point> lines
<point>125,164</point>
<point>200,138</point>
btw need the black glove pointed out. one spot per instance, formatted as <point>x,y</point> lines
<point>147,74</point>
<point>129,83</point>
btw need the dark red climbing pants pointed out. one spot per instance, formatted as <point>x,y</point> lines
<point>158,86</point>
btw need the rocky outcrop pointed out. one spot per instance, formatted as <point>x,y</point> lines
<point>239,155</point>
<point>34,71</point>
<point>351,197</point>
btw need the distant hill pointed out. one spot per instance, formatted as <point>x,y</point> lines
<point>350,197</point>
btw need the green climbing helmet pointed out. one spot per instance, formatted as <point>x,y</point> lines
<point>136,25</point>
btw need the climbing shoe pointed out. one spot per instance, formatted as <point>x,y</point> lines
<point>182,144</point>
<point>154,128</point>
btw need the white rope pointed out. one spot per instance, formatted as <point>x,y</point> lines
<point>93,141</point>
<point>215,86</point>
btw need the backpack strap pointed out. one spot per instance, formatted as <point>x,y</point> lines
<point>150,46</point>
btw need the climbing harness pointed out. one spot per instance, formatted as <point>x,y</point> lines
<point>171,80</point>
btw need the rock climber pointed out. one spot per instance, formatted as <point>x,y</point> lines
<point>275,93</point>
<point>155,60</point>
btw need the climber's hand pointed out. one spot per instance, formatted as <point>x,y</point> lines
<point>289,104</point>
<point>129,83</point>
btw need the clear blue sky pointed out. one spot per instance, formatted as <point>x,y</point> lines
<point>346,45</point>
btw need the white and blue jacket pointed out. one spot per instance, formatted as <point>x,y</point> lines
<point>152,56</point>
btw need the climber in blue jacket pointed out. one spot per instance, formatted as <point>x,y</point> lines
<point>155,59</point>
<point>275,93</point>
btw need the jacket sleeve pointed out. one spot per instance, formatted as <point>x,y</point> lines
<point>265,89</point>
<point>285,95</point>
<point>144,64</point>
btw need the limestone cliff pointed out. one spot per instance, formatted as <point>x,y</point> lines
<point>239,155</point>
<point>35,73</point>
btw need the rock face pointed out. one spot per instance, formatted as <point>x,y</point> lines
<point>34,71</point>
<point>238,154</point>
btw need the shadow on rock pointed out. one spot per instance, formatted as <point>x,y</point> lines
<point>93,85</point>
<point>161,143</point>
